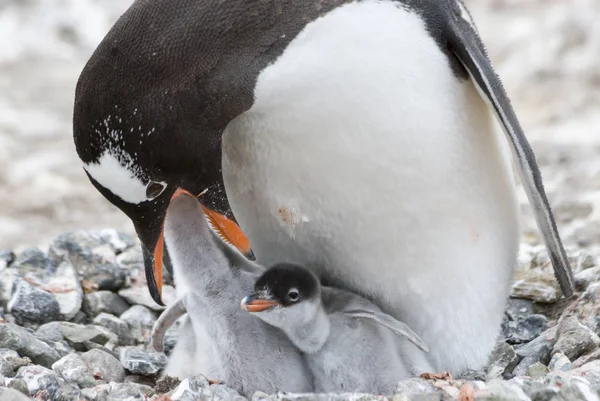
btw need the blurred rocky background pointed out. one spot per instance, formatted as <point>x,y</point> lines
<point>546,51</point>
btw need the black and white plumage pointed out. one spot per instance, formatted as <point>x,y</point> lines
<point>349,344</point>
<point>360,138</point>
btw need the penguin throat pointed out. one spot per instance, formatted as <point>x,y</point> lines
<point>310,335</point>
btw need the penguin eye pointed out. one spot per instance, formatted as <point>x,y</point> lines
<point>293,295</point>
<point>154,189</point>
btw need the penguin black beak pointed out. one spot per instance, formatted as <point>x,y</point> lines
<point>153,243</point>
<point>255,303</point>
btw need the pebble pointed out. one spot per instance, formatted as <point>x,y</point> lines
<point>30,304</point>
<point>537,350</point>
<point>140,320</point>
<point>502,389</point>
<point>9,394</point>
<point>587,358</point>
<point>26,344</point>
<point>198,388</point>
<point>537,370</point>
<point>20,385</point>
<point>93,258</point>
<point>560,363</point>
<point>128,392</point>
<point>115,325</point>
<point>105,365</point>
<point>414,386</point>
<point>143,363</point>
<point>591,371</point>
<point>534,290</point>
<point>6,258</point>
<point>50,332</point>
<point>39,378</point>
<point>67,290</point>
<point>68,392</point>
<point>10,362</point>
<point>98,393</point>
<point>584,278</point>
<point>524,329</point>
<point>98,302</point>
<point>74,370</point>
<point>78,335</point>
<point>574,339</point>
<point>502,360</point>
<point>139,295</point>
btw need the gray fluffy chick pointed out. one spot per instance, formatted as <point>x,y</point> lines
<point>349,343</point>
<point>230,345</point>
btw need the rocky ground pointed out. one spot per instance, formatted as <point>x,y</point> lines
<point>80,314</point>
<point>78,317</point>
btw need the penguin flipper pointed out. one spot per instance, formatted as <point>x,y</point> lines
<point>465,44</point>
<point>388,321</point>
<point>166,320</point>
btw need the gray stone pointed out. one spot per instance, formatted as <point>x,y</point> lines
<point>98,302</point>
<point>545,394</point>
<point>506,390</point>
<point>7,282</point>
<point>74,370</point>
<point>139,295</point>
<point>560,363</point>
<point>537,350</point>
<point>197,388</point>
<point>132,258</point>
<point>167,383</point>
<point>32,259</point>
<point>62,347</point>
<point>9,394</point>
<point>472,375</point>
<point>103,364</point>
<point>590,371</point>
<point>128,392</point>
<point>68,392</point>
<point>576,392</point>
<point>117,326</point>
<point>502,360</point>
<point>93,257</point>
<point>414,386</point>
<point>78,335</point>
<point>587,358</point>
<point>524,328</point>
<point>10,362</point>
<point>531,288</point>
<point>518,308</point>
<point>66,288</point>
<point>140,321</point>
<point>20,385</point>
<point>586,277</point>
<point>30,304</point>
<point>98,393</point>
<point>50,332</point>
<point>140,362</point>
<point>537,370</point>
<point>6,258</point>
<point>39,378</point>
<point>574,339</point>
<point>18,339</point>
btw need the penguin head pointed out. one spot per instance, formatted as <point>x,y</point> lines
<point>285,295</point>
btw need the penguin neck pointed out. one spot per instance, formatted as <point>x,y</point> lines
<point>309,335</point>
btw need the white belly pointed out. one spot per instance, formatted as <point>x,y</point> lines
<point>367,160</point>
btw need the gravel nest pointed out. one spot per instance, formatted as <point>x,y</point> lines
<point>77,320</point>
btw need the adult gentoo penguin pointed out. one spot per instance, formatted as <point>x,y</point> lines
<point>360,138</point>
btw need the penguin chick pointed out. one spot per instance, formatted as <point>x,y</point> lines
<point>350,345</point>
<point>211,278</point>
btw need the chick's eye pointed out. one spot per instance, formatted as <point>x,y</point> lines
<point>293,295</point>
<point>154,189</point>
